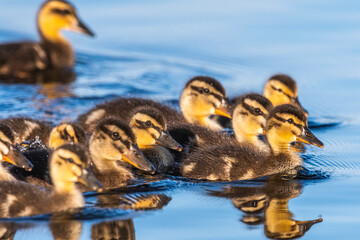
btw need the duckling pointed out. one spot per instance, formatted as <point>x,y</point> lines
<point>53,51</point>
<point>10,153</point>
<point>282,89</point>
<point>69,164</point>
<point>40,140</point>
<point>285,124</point>
<point>113,151</point>
<point>201,98</point>
<point>248,120</point>
<point>28,130</point>
<point>153,138</point>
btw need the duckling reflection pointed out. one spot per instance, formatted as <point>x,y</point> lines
<point>66,229</point>
<point>268,204</point>
<point>114,230</point>
<point>134,201</point>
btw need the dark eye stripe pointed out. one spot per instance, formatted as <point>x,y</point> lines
<point>70,160</point>
<point>252,110</point>
<point>142,125</point>
<point>63,12</point>
<point>284,120</point>
<point>202,90</point>
<point>280,90</point>
<point>109,133</point>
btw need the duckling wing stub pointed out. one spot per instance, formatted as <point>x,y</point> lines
<point>18,59</point>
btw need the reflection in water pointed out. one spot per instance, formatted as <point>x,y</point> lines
<point>66,229</point>
<point>134,201</point>
<point>268,204</point>
<point>63,226</point>
<point>114,230</point>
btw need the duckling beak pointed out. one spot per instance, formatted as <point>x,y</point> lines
<point>223,111</point>
<point>88,179</point>
<point>309,138</point>
<point>16,158</point>
<point>166,140</point>
<point>136,158</point>
<point>82,28</point>
<point>306,225</point>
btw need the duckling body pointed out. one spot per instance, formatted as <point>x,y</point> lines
<point>40,140</point>
<point>201,97</point>
<point>285,124</point>
<point>69,164</point>
<point>22,59</point>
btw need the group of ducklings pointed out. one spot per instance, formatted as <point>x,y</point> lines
<point>105,145</point>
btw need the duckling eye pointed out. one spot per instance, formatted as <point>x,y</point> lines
<point>290,120</point>
<point>115,135</point>
<point>206,90</point>
<point>257,111</point>
<point>279,89</point>
<point>148,123</point>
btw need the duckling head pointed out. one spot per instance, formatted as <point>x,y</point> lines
<point>288,123</point>
<point>66,133</point>
<point>282,89</point>
<point>56,15</point>
<point>69,164</point>
<point>249,117</point>
<point>9,152</point>
<point>201,98</point>
<point>149,127</point>
<point>113,143</point>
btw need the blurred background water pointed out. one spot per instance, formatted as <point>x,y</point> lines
<point>151,48</point>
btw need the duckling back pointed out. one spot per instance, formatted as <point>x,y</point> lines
<point>121,107</point>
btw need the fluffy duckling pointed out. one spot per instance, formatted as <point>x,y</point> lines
<point>248,120</point>
<point>114,151</point>
<point>153,138</point>
<point>40,140</point>
<point>53,51</point>
<point>10,153</point>
<point>69,164</point>
<point>285,124</point>
<point>28,130</point>
<point>201,98</point>
<point>282,89</point>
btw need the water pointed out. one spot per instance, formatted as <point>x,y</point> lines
<point>150,49</point>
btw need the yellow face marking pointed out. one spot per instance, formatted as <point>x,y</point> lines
<point>276,97</point>
<point>145,137</point>
<point>50,22</point>
<point>56,136</point>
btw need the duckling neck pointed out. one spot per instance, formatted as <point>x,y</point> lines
<point>69,195</point>
<point>202,120</point>
<point>244,137</point>
<point>5,175</point>
<point>59,50</point>
<point>105,166</point>
<point>277,211</point>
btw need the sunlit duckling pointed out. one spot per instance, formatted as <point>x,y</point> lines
<point>201,98</point>
<point>248,120</point>
<point>114,151</point>
<point>10,153</point>
<point>69,164</point>
<point>282,89</point>
<point>285,124</point>
<point>37,140</point>
<point>153,138</point>
<point>53,51</point>
<point>28,130</point>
